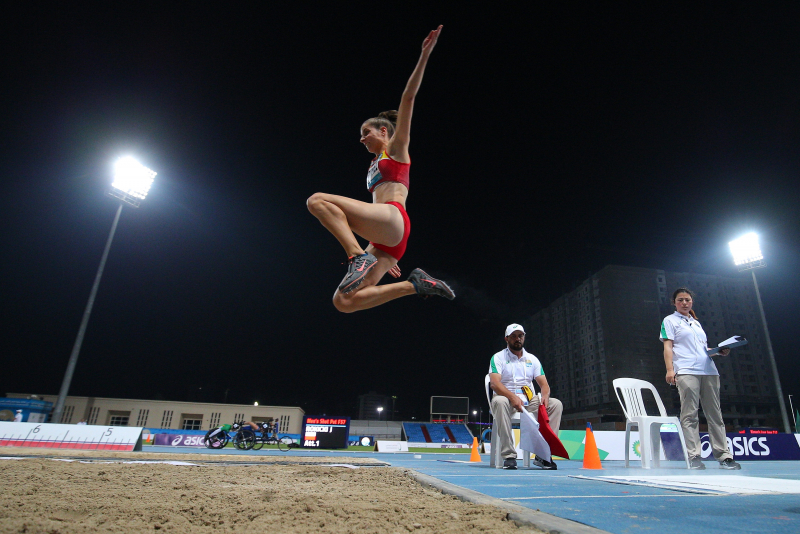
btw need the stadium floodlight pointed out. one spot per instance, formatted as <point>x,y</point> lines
<point>132,182</point>
<point>747,256</point>
<point>380,409</point>
<point>746,252</point>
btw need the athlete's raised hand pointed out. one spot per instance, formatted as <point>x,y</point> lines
<point>430,40</point>
<point>395,271</point>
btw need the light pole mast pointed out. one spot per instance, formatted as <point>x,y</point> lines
<point>76,348</point>
<point>131,184</point>
<point>775,374</point>
<point>748,257</point>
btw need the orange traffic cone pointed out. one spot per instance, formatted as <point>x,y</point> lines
<point>475,456</point>
<point>591,456</point>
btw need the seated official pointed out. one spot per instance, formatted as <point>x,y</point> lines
<point>510,370</point>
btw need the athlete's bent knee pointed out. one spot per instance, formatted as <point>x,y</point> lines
<point>315,202</point>
<point>343,304</point>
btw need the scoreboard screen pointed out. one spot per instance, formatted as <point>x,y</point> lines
<point>321,432</point>
<point>450,405</point>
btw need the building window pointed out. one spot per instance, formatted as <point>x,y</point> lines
<point>66,417</point>
<point>93,413</point>
<point>192,424</point>
<point>215,417</point>
<point>284,423</point>
<point>166,419</point>
<point>118,420</point>
<point>191,421</point>
<point>142,419</point>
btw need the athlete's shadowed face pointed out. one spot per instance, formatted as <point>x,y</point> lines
<point>516,340</point>
<point>375,139</point>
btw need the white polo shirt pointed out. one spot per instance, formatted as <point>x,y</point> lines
<point>516,372</point>
<point>689,345</point>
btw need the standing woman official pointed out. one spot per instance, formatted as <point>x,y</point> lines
<point>691,368</point>
<point>384,222</point>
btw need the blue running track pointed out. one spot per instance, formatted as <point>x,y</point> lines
<point>619,508</point>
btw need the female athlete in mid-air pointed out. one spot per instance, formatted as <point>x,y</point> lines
<point>385,222</point>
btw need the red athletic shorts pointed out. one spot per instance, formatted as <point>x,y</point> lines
<point>399,249</point>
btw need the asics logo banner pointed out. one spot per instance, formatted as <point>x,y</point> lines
<point>179,440</point>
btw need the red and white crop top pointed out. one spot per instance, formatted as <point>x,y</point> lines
<point>384,169</point>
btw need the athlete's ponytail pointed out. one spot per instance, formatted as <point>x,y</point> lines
<point>386,119</point>
<point>688,292</point>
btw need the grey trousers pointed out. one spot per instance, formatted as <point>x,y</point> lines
<point>502,412</point>
<point>702,390</point>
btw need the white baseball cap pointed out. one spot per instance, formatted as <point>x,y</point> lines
<point>513,327</point>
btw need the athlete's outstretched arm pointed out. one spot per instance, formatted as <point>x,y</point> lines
<point>398,146</point>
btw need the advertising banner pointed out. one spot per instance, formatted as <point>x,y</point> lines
<point>33,410</point>
<point>744,446</point>
<point>391,446</point>
<point>425,445</point>
<point>361,441</point>
<point>179,440</point>
<point>749,446</point>
<point>610,444</point>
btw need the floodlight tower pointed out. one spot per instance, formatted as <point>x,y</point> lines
<point>747,256</point>
<point>132,182</point>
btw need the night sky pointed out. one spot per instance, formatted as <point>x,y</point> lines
<point>547,142</point>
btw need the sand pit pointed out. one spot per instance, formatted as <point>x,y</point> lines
<point>98,492</point>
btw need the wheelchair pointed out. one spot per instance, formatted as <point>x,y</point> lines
<point>245,438</point>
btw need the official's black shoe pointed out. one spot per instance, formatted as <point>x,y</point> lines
<point>544,464</point>
<point>357,269</point>
<point>696,463</point>
<point>426,285</point>
<point>510,463</point>
<point>729,463</point>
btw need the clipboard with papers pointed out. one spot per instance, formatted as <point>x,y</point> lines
<point>730,343</point>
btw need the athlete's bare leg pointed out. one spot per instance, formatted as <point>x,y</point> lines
<point>370,294</point>
<point>342,216</point>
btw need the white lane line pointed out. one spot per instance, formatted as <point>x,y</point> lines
<point>670,495</point>
<point>721,484</point>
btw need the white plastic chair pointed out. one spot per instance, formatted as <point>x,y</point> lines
<point>649,426</point>
<point>494,453</point>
